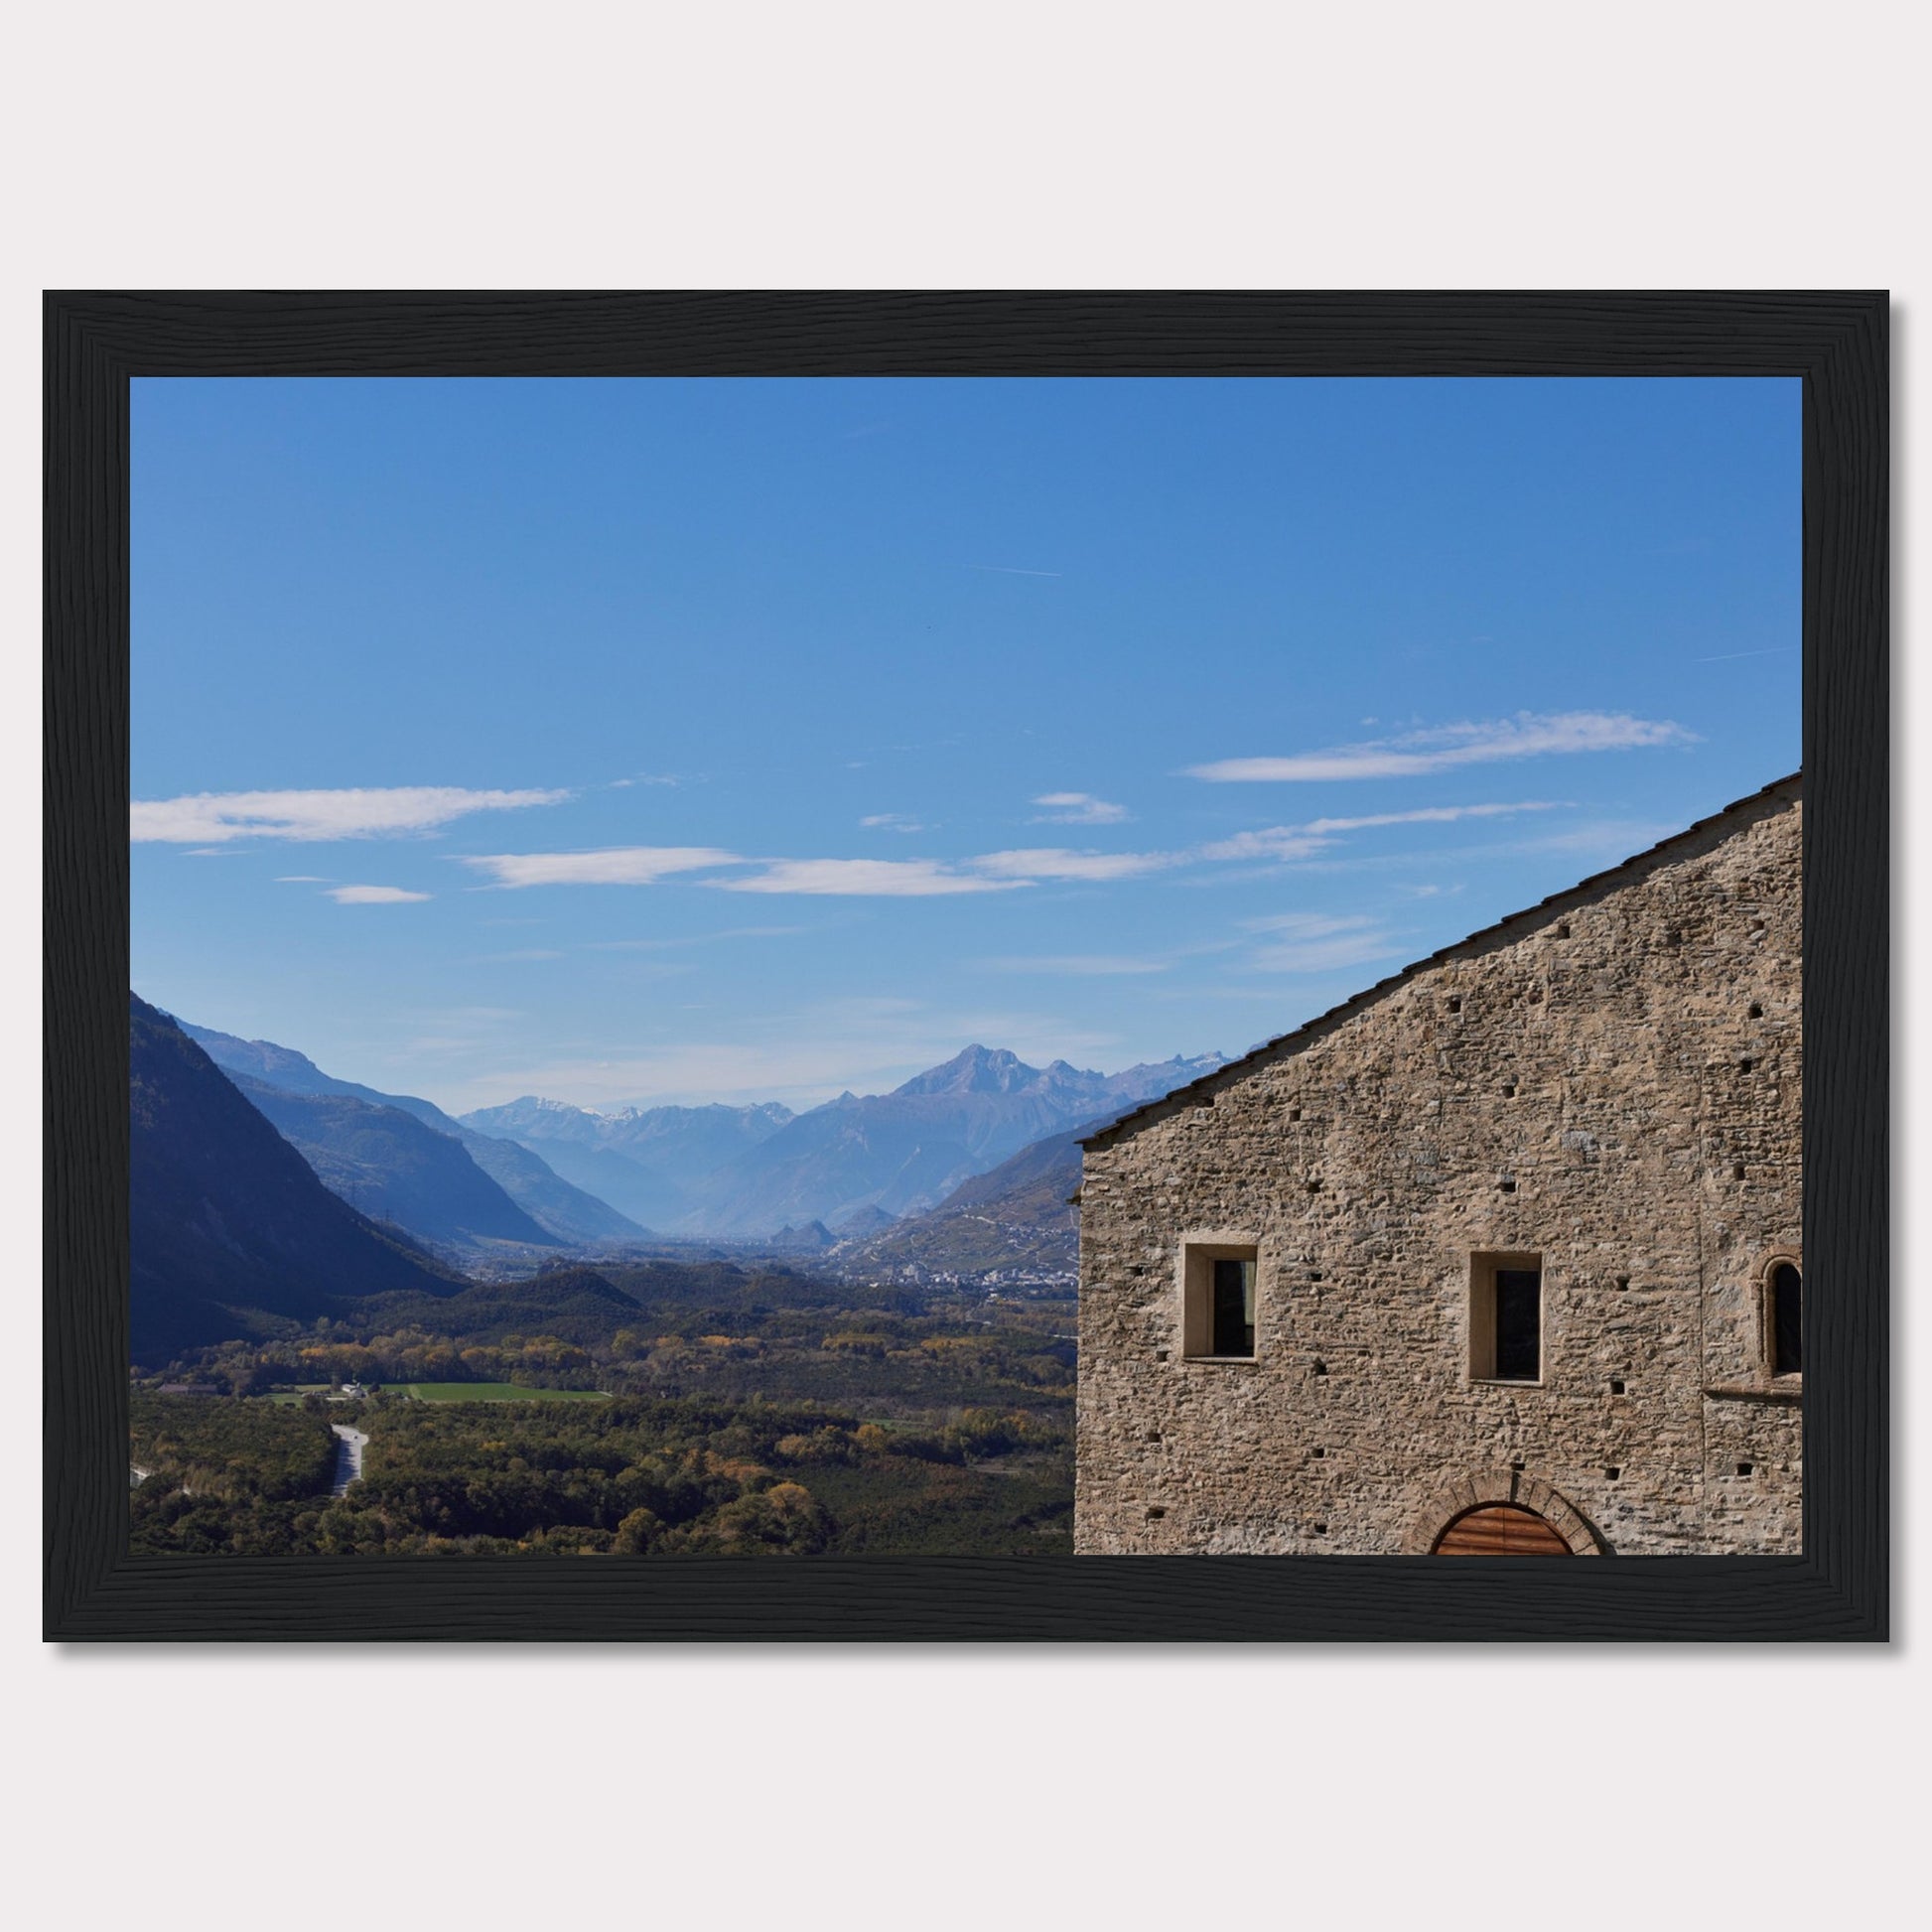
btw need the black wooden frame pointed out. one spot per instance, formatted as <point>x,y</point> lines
<point>1837,342</point>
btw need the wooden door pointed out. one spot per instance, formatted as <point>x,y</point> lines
<point>1500,1530</point>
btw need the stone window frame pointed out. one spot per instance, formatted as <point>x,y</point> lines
<point>1767,1317</point>
<point>1194,1291</point>
<point>1481,1306</point>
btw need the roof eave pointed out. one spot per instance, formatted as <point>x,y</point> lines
<point>1193,1092</point>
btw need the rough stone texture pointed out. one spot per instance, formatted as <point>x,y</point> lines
<point>1364,1157</point>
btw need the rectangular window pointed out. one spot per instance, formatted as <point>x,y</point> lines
<point>1234,1307</point>
<point>1217,1281</point>
<point>1519,1324</point>
<point>1506,1317</point>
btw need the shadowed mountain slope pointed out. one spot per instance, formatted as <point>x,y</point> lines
<point>389,1165</point>
<point>231,1232</point>
<point>560,1210</point>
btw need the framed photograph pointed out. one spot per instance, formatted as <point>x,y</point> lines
<point>656,906</point>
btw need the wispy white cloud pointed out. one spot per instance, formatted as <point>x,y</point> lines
<point>631,864</point>
<point>936,877</point>
<point>1604,841</point>
<point>863,879</point>
<point>643,778</point>
<point>301,878</point>
<point>447,1032</point>
<point>1078,808</point>
<point>1606,838</point>
<point>1527,734</point>
<point>1278,842</point>
<point>891,823</point>
<point>1013,569</point>
<point>1287,842</point>
<point>1056,863</point>
<point>1080,965</point>
<point>696,938</point>
<point>843,878</point>
<point>1313,942</point>
<point>375,896</point>
<point>1432,815</point>
<point>214,817</point>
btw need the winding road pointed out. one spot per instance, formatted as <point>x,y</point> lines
<point>348,1456</point>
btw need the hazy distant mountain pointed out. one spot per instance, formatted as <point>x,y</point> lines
<point>813,1238</point>
<point>1014,1216</point>
<point>910,1149</point>
<point>230,1229</point>
<point>561,1212</point>
<point>1017,1215</point>
<point>393,1166</point>
<point>570,1212</point>
<point>742,1173</point>
<point>651,1162</point>
<point>864,1222</point>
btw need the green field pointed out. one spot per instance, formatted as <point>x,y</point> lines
<point>489,1392</point>
<point>446,1392</point>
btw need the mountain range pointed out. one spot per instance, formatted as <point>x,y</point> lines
<point>650,1163</point>
<point>374,1160</point>
<point>1017,1217</point>
<point>394,1168</point>
<point>750,1172</point>
<point>234,1233</point>
<point>231,1231</point>
<point>965,1169</point>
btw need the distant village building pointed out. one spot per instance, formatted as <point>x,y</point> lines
<point>1499,1257</point>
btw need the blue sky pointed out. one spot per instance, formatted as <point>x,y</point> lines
<point>746,738</point>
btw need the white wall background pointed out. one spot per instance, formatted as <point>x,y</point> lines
<point>1050,144</point>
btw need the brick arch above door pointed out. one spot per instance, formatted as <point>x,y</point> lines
<point>1472,1488</point>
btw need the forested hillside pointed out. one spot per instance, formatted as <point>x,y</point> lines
<point>711,1410</point>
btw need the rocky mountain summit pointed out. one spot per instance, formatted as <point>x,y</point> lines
<point>749,1171</point>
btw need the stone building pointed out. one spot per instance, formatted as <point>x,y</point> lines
<point>1499,1257</point>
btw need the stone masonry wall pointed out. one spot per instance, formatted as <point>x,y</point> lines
<point>1629,1057</point>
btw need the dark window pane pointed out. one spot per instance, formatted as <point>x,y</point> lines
<point>1519,1320</point>
<point>1787,1319</point>
<point>1234,1307</point>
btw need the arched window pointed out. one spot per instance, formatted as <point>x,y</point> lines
<point>1784,1325</point>
<point>1500,1530</point>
